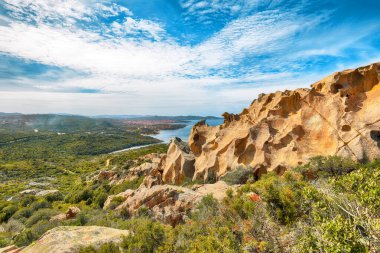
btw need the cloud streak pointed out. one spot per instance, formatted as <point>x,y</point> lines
<point>110,50</point>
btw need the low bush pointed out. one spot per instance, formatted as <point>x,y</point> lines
<point>133,184</point>
<point>146,236</point>
<point>330,166</point>
<point>240,175</point>
<point>105,248</point>
<point>40,204</point>
<point>57,196</point>
<point>40,215</point>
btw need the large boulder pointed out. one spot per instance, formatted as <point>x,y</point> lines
<point>71,239</point>
<point>339,115</point>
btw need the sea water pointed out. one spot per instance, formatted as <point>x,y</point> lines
<point>183,133</point>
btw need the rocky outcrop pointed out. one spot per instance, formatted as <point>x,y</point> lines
<point>143,166</point>
<point>167,203</point>
<point>48,192</point>
<point>71,213</point>
<point>339,115</point>
<point>178,163</point>
<point>71,239</point>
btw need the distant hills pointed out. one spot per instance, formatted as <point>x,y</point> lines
<point>156,117</point>
<point>77,123</point>
<point>54,122</point>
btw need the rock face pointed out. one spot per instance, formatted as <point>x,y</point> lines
<point>339,115</point>
<point>167,203</point>
<point>70,239</point>
<point>178,164</point>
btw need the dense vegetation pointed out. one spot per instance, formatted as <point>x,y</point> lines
<point>25,217</point>
<point>328,205</point>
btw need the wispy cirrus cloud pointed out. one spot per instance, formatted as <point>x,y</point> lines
<point>111,51</point>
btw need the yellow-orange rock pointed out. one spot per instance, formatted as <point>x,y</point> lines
<point>178,163</point>
<point>339,115</point>
<point>167,203</point>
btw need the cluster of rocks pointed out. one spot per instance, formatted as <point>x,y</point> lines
<point>166,203</point>
<point>116,175</point>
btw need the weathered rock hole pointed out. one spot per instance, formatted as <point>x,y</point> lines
<point>346,128</point>
<point>346,109</point>
<point>336,87</point>
<point>375,135</point>
<point>280,170</point>
<point>259,172</point>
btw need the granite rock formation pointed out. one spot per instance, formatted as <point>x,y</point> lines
<point>339,115</point>
<point>166,203</point>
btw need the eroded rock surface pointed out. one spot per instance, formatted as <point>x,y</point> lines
<point>339,115</point>
<point>71,239</point>
<point>167,203</point>
<point>178,163</point>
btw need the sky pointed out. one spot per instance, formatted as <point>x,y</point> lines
<point>174,57</point>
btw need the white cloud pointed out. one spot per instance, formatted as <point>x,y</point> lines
<point>43,10</point>
<point>138,27</point>
<point>86,51</point>
<point>61,12</point>
<point>257,34</point>
<point>142,68</point>
<point>149,73</point>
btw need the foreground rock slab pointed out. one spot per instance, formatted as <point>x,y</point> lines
<point>71,238</point>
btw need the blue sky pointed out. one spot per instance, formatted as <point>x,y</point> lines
<point>174,57</point>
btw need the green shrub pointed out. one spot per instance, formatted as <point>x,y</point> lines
<point>285,195</point>
<point>56,196</point>
<point>41,214</point>
<point>133,184</point>
<point>13,226</point>
<point>105,248</point>
<point>364,184</point>
<point>99,199</point>
<point>335,235</point>
<point>115,202</point>
<point>24,212</point>
<point>40,204</point>
<point>240,175</point>
<point>27,200</point>
<point>7,212</point>
<point>329,166</point>
<point>146,236</point>
<point>208,207</point>
<point>4,240</point>
<point>34,232</point>
<point>78,196</point>
<point>210,235</point>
